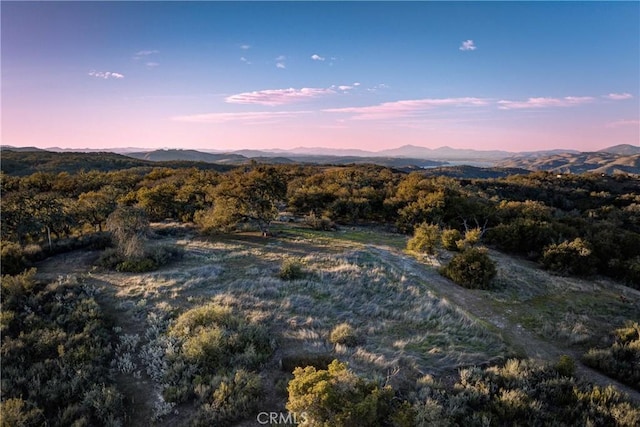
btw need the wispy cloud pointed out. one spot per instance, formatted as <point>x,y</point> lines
<point>273,97</point>
<point>245,60</point>
<point>152,64</point>
<point>247,117</point>
<point>317,57</point>
<point>378,87</point>
<point>106,75</point>
<point>144,54</point>
<point>280,62</point>
<point>623,123</point>
<point>406,108</point>
<point>618,96</point>
<point>245,46</point>
<point>468,45</point>
<point>567,101</point>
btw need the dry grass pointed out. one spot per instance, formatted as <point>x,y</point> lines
<point>395,316</point>
<point>402,327</point>
<point>570,310</point>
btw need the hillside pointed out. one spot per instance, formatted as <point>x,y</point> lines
<point>412,325</point>
<point>599,162</point>
<point>473,172</point>
<point>21,163</point>
<point>279,158</point>
<point>189,155</point>
<point>622,149</point>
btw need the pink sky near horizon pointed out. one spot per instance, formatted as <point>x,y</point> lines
<point>371,128</point>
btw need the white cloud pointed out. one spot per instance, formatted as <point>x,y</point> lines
<point>273,97</point>
<point>280,65</point>
<point>468,45</point>
<point>406,108</point>
<point>618,96</point>
<point>247,117</point>
<point>378,86</point>
<point>317,57</point>
<point>345,87</point>
<point>245,60</point>
<point>152,64</point>
<point>146,52</point>
<point>106,75</point>
<point>567,101</point>
<point>356,84</point>
<point>245,47</point>
<point>142,54</point>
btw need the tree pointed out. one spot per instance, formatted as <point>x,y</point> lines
<point>426,238</point>
<point>159,201</point>
<point>128,226</point>
<point>94,207</point>
<point>253,195</point>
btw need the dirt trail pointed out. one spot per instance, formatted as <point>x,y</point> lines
<point>479,306</point>
<point>138,392</point>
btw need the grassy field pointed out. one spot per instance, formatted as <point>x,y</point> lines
<point>408,322</point>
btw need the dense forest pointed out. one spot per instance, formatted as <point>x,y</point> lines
<point>585,225</point>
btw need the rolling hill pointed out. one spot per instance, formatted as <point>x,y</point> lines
<point>599,162</point>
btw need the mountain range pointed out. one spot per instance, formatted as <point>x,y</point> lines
<point>624,158</point>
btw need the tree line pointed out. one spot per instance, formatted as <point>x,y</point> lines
<point>573,224</point>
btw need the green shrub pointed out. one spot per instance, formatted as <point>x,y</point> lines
<point>212,339</point>
<point>216,349</point>
<point>291,270</point>
<point>16,412</point>
<point>344,334</point>
<point>12,259</point>
<point>55,355</point>
<point>622,359</point>
<point>137,265</point>
<point>109,258</point>
<point>152,258</point>
<point>524,392</point>
<point>236,397</point>
<point>471,238</point>
<point>337,397</point>
<point>319,223</point>
<point>472,268</point>
<point>426,238</point>
<point>566,366</point>
<point>573,257</point>
<point>450,239</point>
<point>163,254</point>
<point>15,289</point>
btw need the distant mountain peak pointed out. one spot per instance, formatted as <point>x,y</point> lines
<point>622,149</point>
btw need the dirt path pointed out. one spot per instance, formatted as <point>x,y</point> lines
<point>138,390</point>
<point>480,307</point>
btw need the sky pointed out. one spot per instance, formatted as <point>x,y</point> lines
<point>515,76</point>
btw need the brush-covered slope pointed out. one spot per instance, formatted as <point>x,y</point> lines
<point>600,162</point>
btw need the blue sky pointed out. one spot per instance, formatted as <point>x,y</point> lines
<point>372,75</point>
